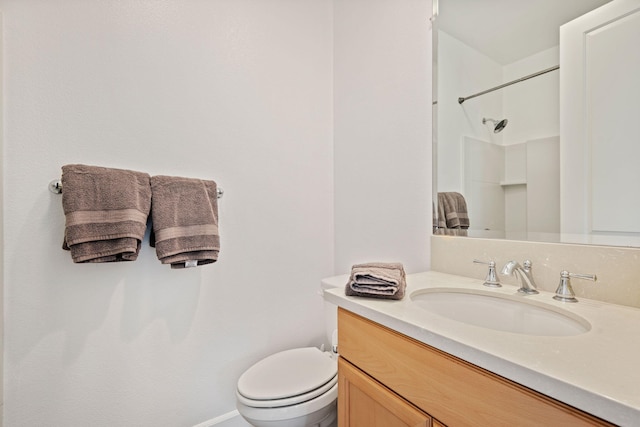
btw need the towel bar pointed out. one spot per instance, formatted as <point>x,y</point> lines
<point>55,187</point>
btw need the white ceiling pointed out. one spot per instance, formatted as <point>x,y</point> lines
<point>508,30</point>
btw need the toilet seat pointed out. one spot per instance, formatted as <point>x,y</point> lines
<point>288,378</point>
<point>288,401</point>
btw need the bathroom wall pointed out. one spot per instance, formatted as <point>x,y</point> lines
<point>245,92</point>
<point>1,231</point>
<point>463,71</point>
<point>532,106</point>
<point>382,132</point>
<point>236,91</point>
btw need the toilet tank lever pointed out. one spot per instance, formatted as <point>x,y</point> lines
<point>334,342</point>
<point>492,279</point>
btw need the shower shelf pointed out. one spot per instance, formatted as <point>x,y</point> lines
<point>510,183</point>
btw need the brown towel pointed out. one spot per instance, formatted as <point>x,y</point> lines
<point>451,232</point>
<point>377,280</point>
<point>106,212</point>
<point>452,211</point>
<point>185,221</point>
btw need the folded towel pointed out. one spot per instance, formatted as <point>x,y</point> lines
<point>377,280</point>
<point>452,211</point>
<point>185,221</point>
<point>106,212</point>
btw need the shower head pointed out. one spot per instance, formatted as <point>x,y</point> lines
<point>498,125</point>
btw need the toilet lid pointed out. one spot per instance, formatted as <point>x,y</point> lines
<point>288,373</point>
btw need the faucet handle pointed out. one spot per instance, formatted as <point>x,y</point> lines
<point>565,291</point>
<point>492,279</point>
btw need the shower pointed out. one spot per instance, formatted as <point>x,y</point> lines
<point>498,125</point>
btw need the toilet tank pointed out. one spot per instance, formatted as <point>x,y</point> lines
<point>331,310</point>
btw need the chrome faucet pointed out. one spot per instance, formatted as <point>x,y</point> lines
<point>523,272</point>
<point>491,280</point>
<point>565,291</point>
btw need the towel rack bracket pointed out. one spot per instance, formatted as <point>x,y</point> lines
<point>55,186</point>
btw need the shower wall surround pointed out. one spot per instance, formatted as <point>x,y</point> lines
<point>617,268</point>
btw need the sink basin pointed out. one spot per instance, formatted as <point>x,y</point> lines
<point>500,312</point>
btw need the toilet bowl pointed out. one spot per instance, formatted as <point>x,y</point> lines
<point>293,388</point>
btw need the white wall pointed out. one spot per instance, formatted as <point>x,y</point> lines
<point>532,106</point>
<point>382,122</point>
<point>236,91</point>
<point>1,230</point>
<point>463,71</point>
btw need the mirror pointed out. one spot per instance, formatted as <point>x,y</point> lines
<point>502,148</point>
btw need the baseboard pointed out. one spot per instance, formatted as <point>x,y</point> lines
<point>220,419</point>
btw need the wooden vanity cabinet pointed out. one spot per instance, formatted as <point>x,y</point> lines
<point>383,373</point>
<point>367,403</point>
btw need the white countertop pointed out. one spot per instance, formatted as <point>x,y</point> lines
<point>597,371</point>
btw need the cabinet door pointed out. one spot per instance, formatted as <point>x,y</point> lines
<point>453,391</point>
<point>363,402</point>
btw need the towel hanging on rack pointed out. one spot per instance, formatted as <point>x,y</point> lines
<point>185,221</point>
<point>452,214</point>
<point>105,211</point>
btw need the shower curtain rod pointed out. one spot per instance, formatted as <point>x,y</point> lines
<point>521,79</point>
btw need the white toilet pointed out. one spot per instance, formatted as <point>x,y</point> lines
<point>293,388</point>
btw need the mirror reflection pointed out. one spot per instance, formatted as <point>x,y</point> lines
<point>504,164</point>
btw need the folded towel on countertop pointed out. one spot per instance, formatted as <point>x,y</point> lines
<point>184,213</point>
<point>105,211</point>
<point>377,280</point>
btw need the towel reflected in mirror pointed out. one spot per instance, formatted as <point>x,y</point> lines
<point>452,217</point>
